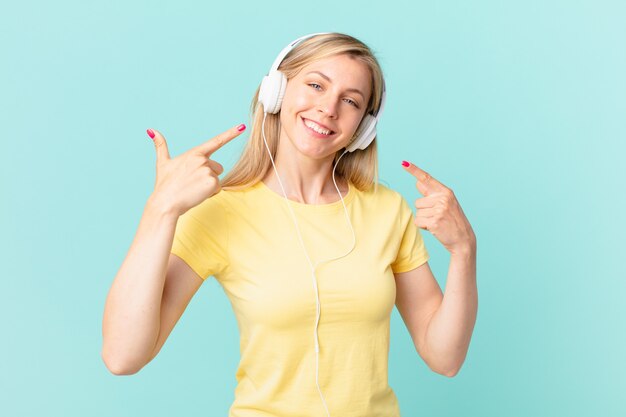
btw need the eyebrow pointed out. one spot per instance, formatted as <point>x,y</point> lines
<point>329,80</point>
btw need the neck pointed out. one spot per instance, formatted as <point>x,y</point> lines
<point>305,179</point>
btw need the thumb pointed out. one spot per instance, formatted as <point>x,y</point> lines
<point>160,144</point>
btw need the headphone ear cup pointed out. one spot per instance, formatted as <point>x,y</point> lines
<point>272,91</point>
<point>365,134</point>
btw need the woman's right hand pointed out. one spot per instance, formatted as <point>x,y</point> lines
<point>190,178</point>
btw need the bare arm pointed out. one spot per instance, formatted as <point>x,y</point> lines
<point>445,334</point>
<point>441,326</point>
<point>152,288</point>
<point>131,322</point>
<point>450,330</point>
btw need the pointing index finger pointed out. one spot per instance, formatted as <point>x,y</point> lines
<point>220,140</point>
<point>426,182</point>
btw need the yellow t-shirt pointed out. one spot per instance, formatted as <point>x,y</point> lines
<point>248,241</point>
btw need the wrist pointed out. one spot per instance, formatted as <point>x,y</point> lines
<point>158,206</point>
<point>466,250</point>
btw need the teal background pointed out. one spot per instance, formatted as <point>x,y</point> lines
<point>518,106</point>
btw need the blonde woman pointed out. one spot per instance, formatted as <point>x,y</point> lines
<point>312,252</point>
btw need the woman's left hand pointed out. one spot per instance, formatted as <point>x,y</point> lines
<point>440,213</point>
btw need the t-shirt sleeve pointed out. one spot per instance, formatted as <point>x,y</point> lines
<point>412,251</point>
<point>201,238</point>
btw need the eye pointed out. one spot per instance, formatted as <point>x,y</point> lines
<point>351,102</point>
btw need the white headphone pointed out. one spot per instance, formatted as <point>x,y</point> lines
<point>271,96</point>
<point>273,89</point>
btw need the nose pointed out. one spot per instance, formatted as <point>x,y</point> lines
<point>328,105</point>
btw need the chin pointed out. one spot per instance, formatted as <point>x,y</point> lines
<point>311,149</point>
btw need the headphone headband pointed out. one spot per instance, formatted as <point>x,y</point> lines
<point>289,47</point>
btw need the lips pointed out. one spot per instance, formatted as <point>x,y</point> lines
<point>332,132</point>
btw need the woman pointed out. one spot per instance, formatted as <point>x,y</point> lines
<point>312,295</point>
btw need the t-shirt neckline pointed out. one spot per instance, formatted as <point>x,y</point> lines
<point>335,205</point>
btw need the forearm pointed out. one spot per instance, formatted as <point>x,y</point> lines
<point>131,321</point>
<point>450,328</point>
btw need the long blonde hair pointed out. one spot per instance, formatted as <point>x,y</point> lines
<point>359,167</point>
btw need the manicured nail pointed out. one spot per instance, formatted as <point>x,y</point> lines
<point>241,127</point>
<point>150,133</point>
<point>405,163</point>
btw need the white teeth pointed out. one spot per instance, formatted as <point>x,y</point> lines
<point>316,127</point>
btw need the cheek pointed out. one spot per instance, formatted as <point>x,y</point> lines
<point>299,99</point>
<point>291,107</point>
<point>299,92</point>
<point>356,122</point>
<point>292,102</point>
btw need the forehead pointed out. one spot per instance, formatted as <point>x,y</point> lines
<point>342,69</point>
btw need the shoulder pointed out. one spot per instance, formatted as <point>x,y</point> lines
<point>384,196</point>
<point>210,208</point>
<point>243,197</point>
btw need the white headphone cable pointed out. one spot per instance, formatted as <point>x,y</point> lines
<point>317,348</point>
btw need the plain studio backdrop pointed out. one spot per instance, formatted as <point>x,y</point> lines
<point>519,107</point>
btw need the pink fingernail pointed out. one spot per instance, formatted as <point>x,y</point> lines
<point>405,163</point>
<point>241,127</point>
<point>150,133</point>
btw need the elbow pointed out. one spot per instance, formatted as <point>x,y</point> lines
<point>452,371</point>
<point>449,371</point>
<point>451,374</point>
<point>118,368</point>
<point>449,368</point>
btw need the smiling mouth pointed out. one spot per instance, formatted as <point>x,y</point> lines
<point>316,133</point>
